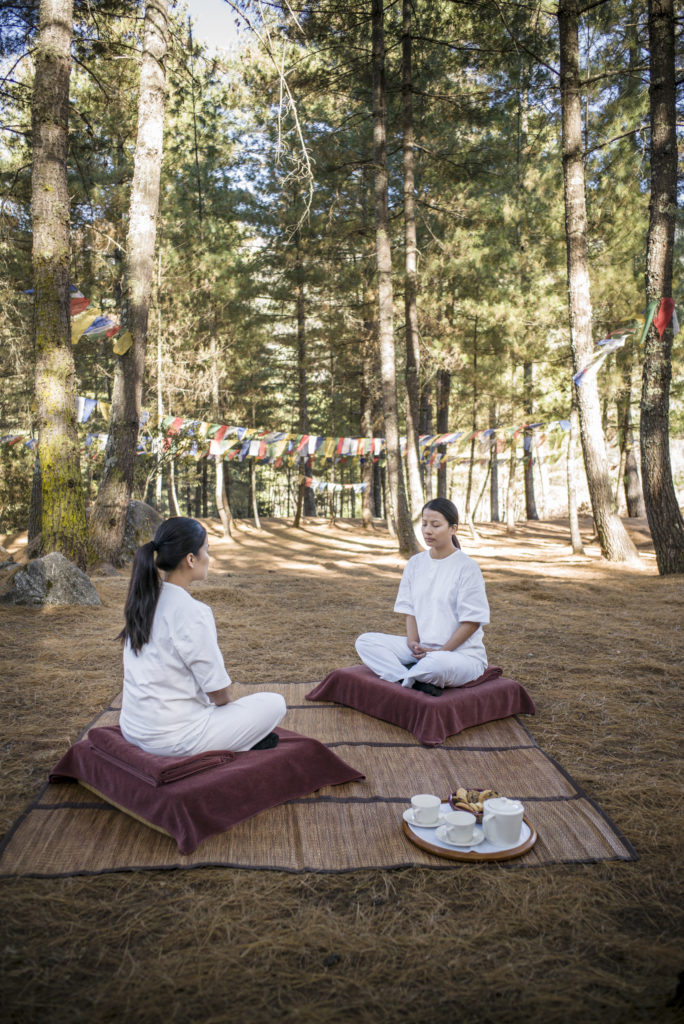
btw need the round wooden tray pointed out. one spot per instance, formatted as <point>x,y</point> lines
<point>473,855</point>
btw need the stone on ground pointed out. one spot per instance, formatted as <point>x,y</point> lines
<point>50,580</point>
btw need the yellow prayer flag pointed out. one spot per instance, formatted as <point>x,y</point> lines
<point>105,408</point>
<point>122,343</point>
<point>82,322</point>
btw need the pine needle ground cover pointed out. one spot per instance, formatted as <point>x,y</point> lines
<point>597,646</point>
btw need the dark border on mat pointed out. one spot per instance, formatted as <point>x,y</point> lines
<point>580,793</point>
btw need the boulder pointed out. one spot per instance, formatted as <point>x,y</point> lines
<point>141,525</point>
<point>50,580</point>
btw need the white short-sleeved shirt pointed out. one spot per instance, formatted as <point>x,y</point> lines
<point>441,593</point>
<point>165,704</point>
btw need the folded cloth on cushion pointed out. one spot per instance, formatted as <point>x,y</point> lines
<point>430,720</point>
<point>196,806</point>
<point>154,769</point>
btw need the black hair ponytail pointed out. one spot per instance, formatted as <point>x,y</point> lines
<point>448,510</point>
<point>175,538</point>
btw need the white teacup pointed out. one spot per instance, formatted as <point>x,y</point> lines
<point>425,808</point>
<point>459,826</point>
<point>502,821</point>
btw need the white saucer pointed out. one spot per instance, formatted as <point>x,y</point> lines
<point>478,837</point>
<point>408,816</point>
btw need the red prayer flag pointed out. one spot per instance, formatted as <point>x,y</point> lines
<point>78,305</point>
<point>664,315</point>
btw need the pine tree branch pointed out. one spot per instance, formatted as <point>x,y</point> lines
<point>265,41</point>
<point>615,138</point>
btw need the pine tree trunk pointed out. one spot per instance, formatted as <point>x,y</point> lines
<point>443,396</point>
<point>367,422</point>
<point>109,513</point>
<point>174,508</point>
<point>408,543</point>
<point>158,448</point>
<point>615,543</point>
<point>253,493</point>
<point>411,275</point>
<point>634,497</point>
<point>198,490</point>
<point>36,506</point>
<point>493,467</point>
<point>522,160</point>
<point>528,435</point>
<point>629,476</point>
<point>62,504</point>
<point>469,517</point>
<point>662,509</point>
<point>425,427</point>
<point>205,487</point>
<point>510,490</point>
<point>575,535</point>
<point>222,502</point>
<point>307,495</point>
<point>541,469</point>
<point>378,489</point>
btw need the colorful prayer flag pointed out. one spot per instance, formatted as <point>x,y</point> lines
<point>663,316</point>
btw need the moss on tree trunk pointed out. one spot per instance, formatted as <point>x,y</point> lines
<point>62,520</point>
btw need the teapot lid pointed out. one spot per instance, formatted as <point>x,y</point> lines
<point>502,805</point>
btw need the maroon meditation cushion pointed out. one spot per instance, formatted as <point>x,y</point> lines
<point>192,798</point>
<point>430,719</point>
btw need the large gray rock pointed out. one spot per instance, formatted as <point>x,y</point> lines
<point>52,579</point>
<point>141,525</point>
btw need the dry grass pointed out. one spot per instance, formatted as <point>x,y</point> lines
<point>597,646</point>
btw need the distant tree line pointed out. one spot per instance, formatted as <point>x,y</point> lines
<point>372,219</point>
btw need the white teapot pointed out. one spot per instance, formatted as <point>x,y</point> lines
<point>502,821</point>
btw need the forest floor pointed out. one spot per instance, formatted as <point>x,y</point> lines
<point>598,647</point>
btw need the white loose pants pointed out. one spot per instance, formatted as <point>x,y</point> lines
<point>391,658</point>
<point>241,723</point>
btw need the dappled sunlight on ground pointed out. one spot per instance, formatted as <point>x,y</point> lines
<point>598,646</point>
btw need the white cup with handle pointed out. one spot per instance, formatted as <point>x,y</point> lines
<point>425,807</point>
<point>460,827</point>
<point>502,821</point>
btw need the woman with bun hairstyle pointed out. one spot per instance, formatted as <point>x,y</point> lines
<point>175,693</point>
<point>442,594</point>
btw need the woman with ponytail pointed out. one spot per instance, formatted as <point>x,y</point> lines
<point>175,695</point>
<point>442,594</point>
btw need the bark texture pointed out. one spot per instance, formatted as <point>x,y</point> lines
<point>664,516</point>
<point>109,513</point>
<point>528,436</point>
<point>60,505</point>
<point>493,466</point>
<point>411,271</point>
<point>408,543</point>
<point>630,471</point>
<point>369,350</point>
<point>443,398</point>
<point>613,538</point>
<point>575,535</point>
<point>220,495</point>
